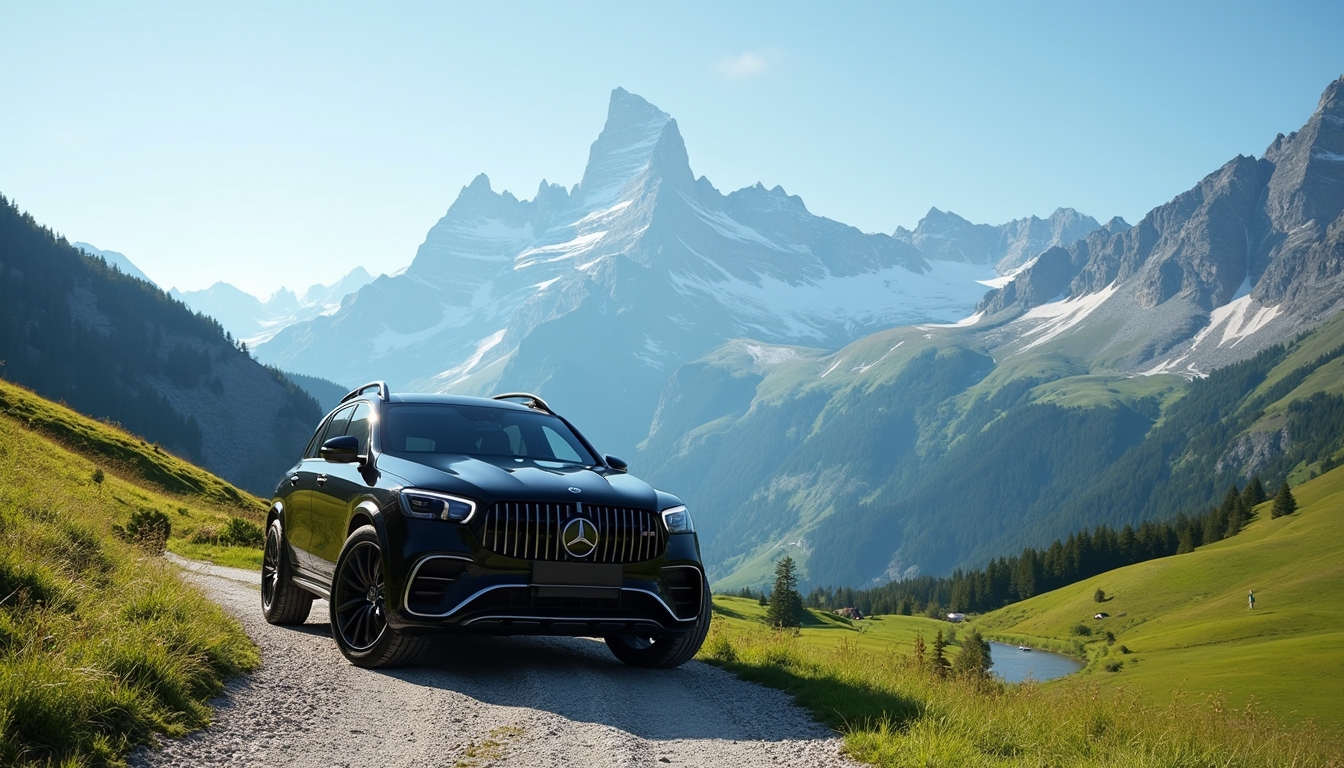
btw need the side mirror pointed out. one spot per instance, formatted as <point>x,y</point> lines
<point>617,464</point>
<point>341,450</point>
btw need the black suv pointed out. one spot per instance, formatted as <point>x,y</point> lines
<point>419,514</point>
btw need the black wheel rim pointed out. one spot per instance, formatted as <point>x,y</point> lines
<point>270,568</point>
<point>359,597</point>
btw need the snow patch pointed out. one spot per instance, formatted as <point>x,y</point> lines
<point>762,354</point>
<point>547,254</point>
<point>891,296</point>
<point>459,372</point>
<point>962,323</point>
<point>1330,157</point>
<point>1236,320</point>
<point>1060,316</point>
<point>1003,280</point>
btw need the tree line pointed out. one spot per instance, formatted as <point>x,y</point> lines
<point>1082,555</point>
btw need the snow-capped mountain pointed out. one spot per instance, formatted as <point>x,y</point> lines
<point>947,236</point>
<point>1249,257</point>
<point>254,321</point>
<point>591,296</point>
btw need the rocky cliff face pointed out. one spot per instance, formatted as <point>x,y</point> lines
<point>1248,257</point>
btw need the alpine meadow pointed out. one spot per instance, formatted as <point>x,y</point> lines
<point>672,384</point>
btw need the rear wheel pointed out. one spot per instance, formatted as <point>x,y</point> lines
<point>358,613</point>
<point>282,602</point>
<point>664,652</point>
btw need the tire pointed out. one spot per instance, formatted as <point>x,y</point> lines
<point>358,621</point>
<point>282,602</point>
<point>665,652</point>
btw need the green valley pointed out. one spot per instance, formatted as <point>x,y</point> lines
<point>1186,625</point>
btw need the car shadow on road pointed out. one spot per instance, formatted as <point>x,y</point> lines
<point>579,679</point>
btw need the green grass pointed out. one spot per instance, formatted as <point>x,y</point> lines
<point>102,645</point>
<point>1186,621</point>
<point>860,678</point>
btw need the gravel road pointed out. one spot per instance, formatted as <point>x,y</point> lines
<point>476,702</point>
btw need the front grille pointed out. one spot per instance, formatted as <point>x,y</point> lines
<point>531,531</point>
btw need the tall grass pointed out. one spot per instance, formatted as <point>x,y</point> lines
<point>102,646</point>
<point>892,713</point>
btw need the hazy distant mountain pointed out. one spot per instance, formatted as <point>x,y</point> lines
<point>117,260</point>
<point>255,321</point>
<point>945,235</point>
<point>591,296</point>
<point>115,347</point>
<point>1073,397</point>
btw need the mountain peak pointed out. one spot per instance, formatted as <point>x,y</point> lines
<point>1332,101</point>
<point>635,135</point>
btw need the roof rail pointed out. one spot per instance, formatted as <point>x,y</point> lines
<point>383,392</point>
<point>533,402</point>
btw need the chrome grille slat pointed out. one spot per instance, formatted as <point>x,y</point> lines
<point>531,531</point>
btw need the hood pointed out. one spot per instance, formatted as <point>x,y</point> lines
<point>506,479</point>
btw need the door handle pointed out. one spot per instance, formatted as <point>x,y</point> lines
<point>293,479</point>
<point>321,479</point>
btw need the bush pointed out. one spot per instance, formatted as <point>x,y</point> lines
<point>236,533</point>
<point>1110,638</point>
<point>1124,649</point>
<point>1081,630</point>
<point>1099,595</point>
<point>1114,666</point>
<point>148,528</point>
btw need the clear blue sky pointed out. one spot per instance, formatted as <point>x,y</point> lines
<point>270,146</point>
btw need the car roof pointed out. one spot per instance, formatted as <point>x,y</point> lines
<point>422,398</point>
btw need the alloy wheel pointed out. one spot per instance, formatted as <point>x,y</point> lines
<point>360,617</point>
<point>270,568</point>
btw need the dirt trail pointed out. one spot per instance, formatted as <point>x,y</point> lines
<point>481,701</point>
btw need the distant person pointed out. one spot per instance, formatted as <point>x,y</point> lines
<point>1250,598</point>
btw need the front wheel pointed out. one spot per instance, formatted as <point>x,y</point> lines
<point>358,612</point>
<point>664,652</point>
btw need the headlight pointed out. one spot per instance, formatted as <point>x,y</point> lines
<point>432,505</point>
<point>678,520</point>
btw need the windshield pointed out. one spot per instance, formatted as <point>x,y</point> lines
<point>475,430</point>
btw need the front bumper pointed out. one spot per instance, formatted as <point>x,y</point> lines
<point>443,580</point>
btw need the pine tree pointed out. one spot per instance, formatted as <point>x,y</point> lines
<point>1284,503</point>
<point>921,657</point>
<point>973,659</point>
<point>1254,493</point>
<point>938,664</point>
<point>786,605</point>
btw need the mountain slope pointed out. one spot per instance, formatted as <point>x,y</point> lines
<point>1250,256</point>
<point>919,449</point>
<point>592,296</point>
<point>102,646</point>
<point>1185,618</point>
<point>117,348</point>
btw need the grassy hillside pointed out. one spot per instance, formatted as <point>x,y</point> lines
<point>1186,622</point>
<point>101,644</point>
<point>863,679</point>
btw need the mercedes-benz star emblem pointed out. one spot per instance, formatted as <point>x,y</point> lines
<point>572,489</point>
<point>579,537</point>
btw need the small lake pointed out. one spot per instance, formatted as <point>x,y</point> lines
<point>1014,666</point>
